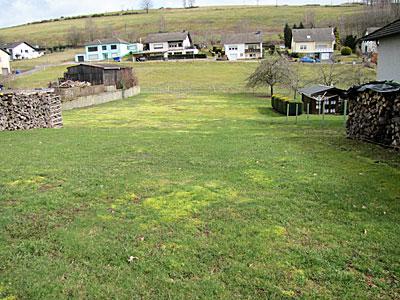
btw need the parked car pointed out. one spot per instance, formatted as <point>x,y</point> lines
<point>306,59</point>
<point>141,59</point>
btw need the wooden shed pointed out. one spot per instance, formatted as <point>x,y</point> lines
<point>320,97</point>
<point>102,74</point>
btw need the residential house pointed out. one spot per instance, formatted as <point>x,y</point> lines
<point>5,68</point>
<point>314,42</point>
<point>21,50</point>
<point>388,41</point>
<point>369,47</point>
<point>322,99</point>
<point>170,43</point>
<point>243,45</point>
<point>108,49</point>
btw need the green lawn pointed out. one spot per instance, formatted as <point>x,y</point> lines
<point>205,23</point>
<point>213,195</point>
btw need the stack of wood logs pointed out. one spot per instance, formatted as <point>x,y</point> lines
<point>27,110</point>
<point>375,117</point>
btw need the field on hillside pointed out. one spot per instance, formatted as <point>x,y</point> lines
<point>204,23</point>
<point>202,76</point>
<point>211,195</point>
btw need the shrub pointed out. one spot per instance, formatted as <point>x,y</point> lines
<point>346,51</point>
<point>280,104</point>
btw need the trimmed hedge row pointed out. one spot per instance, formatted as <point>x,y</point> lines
<point>280,104</point>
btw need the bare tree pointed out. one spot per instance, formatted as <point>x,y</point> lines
<point>74,36</point>
<point>162,23</point>
<point>191,3</point>
<point>184,3</point>
<point>309,19</point>
<point>270,72</point>
<point>91,29</point>
<point>243,26</point>
<point>146,5</point>
<point>108,31</point>
<point>327,74</point>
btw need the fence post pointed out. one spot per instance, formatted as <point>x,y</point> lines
<point>345,111</point>
<point>308,111</point>
<point>297,111</point>
<point>287,112</point>
<point>323,110</point>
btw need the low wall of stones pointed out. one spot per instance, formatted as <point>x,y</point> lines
<point>22,110</point>
<point>110,94</point>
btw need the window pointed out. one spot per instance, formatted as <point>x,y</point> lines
<point>233,48</point>
<point>303,47</point>
<point>104,47</point>
<point>158,46</point>
<point>113,47</point>
<point>26,51</point>
<point>92,49</point>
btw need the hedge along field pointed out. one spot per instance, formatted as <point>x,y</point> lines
<point>203,22</point>
<point>210,196</point>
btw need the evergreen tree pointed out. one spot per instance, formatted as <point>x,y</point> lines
<point>301,26</point>
<point>287,36</point>
<point>294,26</point>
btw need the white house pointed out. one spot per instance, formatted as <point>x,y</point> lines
<point>108,49</point>
<point>5,68</point>
<point>369,47</point>
<point>21,50</point>
<point>314,42</point>
<point>388,41</point>
<point>170,43</point>
<point>243,45</point>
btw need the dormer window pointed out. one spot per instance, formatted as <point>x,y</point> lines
<point>308,37</point>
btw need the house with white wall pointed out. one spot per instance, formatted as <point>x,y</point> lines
<point>388,41</point>
<point>5,68</point>
<point>369,47</point>
<point>21,50</point>
<point>314,42</point>
<point>170,43</point>
<point>108,49</point>
<point>243,45</point>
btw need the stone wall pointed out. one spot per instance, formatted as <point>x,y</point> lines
<point>111,94</point>
<point>22,110</point>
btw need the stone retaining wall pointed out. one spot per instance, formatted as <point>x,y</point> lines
<point>94,99</point>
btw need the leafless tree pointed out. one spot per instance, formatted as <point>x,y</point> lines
<point>146,5</point>
<point>108,31</point>
<point>184,3</point>
<point>91,29</point>
<point>309,19</point>
<point>162,23</point>
<point>270,72</point>
<point>74,36</point>
<point>243,26</point>
<point>191,3</point>
<point>328,74</point>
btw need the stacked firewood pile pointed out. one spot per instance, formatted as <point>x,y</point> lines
<point>71,84</point>
<point>28,110</point>
<point>374,115</point>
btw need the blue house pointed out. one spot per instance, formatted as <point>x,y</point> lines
<point>108,49</point>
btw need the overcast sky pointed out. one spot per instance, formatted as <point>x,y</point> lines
<point>14,12</point>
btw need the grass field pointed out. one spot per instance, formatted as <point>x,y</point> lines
<point>213,195</point>
<point>200,76</point>
<point>202,22</point>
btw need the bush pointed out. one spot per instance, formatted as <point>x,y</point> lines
<point>346,51</point>
<point>280,104</point>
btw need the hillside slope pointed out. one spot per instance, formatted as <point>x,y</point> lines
<point>205,23</point>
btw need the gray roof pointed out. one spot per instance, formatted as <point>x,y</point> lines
<point>103,66</point>
<point>167,37</point>
<point>243,38</point>
<point>106,42</point>
<point>311,91</point>
<point>14,44</point>
<point>386,31</point>
<point>313,35</point>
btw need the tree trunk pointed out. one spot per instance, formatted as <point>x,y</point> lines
<point>272,90</point>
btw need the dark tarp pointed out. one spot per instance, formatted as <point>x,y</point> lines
<point>376,86</point>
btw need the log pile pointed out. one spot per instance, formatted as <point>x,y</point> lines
<point>375,117</point>
<point>28,110</point>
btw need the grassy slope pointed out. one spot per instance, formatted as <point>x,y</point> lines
<point>215,195</point>
<point>202,22</point>
<point>197,76</point>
